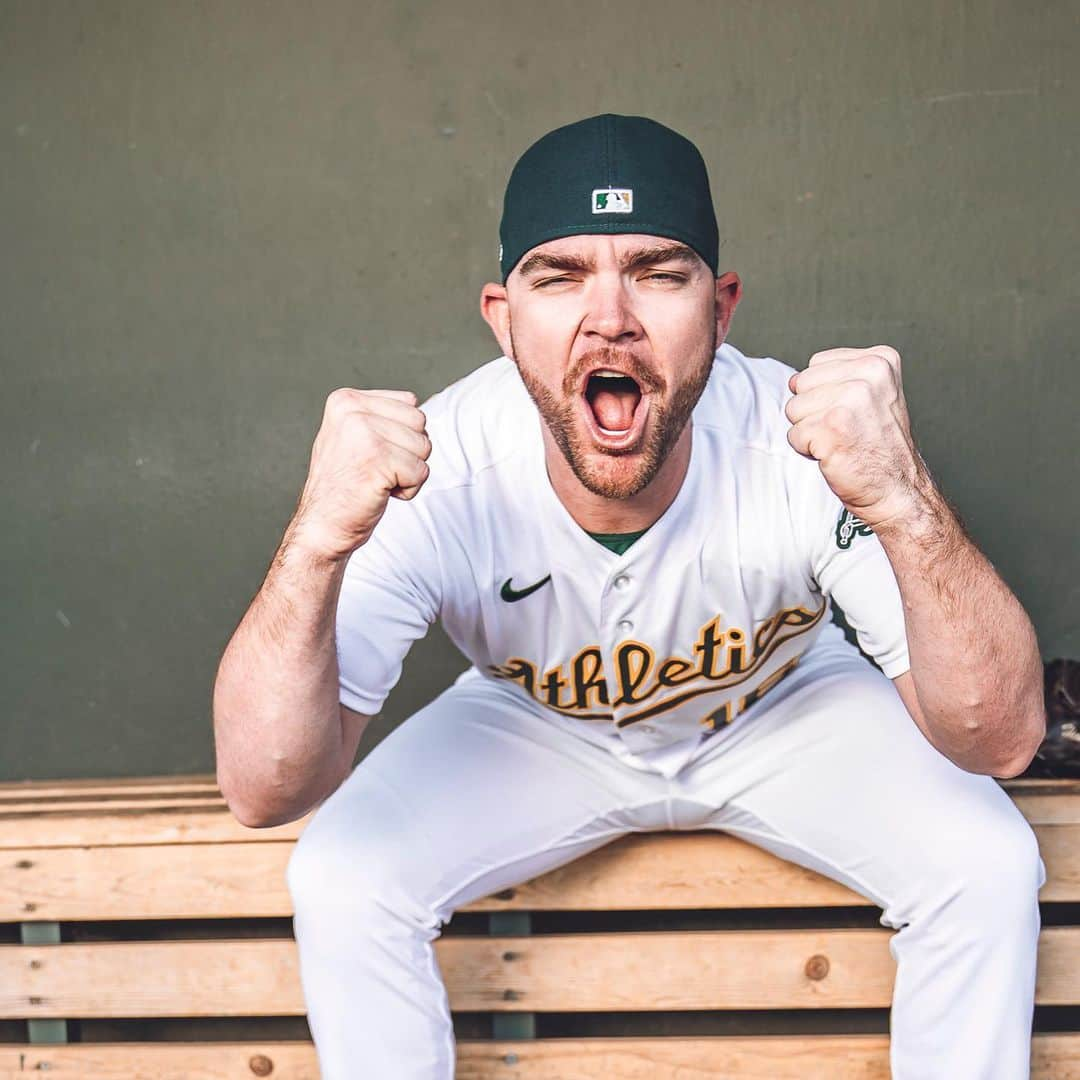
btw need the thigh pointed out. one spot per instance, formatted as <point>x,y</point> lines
<point>836,776</point>
<point>472,794</point>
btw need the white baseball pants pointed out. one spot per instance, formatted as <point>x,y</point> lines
<point>476,793</point>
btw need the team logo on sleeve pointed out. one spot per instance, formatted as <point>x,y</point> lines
<point>848,526</point>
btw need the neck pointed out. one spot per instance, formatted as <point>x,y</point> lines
<point>595,513</point>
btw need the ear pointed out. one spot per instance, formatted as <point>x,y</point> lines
<point>495,308</point>
<point>728,295</point>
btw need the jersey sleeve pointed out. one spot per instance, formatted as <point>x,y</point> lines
<point>849,565</point>
<point>390,596</point>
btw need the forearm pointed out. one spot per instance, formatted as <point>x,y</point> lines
<point>277,721</point>
<point>975,661</point>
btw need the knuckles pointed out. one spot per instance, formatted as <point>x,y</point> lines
<point>338,400</point>
<point>839,419</point>
<point>859,392</point>
<point>887,353</point>
<point>878,369</point>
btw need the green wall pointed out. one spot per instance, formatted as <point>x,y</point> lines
<point>216,213</point>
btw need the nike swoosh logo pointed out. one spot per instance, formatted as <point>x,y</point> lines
<point>511,595</point>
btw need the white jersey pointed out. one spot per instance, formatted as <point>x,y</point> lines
<point>648,652</point>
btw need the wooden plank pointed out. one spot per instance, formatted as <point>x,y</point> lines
<point>1034,785</point>
<point>162,781</point>
<point>719,1057</point>
<point>234,880</point>
<point>189,818</point>
<point>73,804</point>
<point>776,969</point>
<point>1055,1056</point>
<point>109,782</point>
<point>106,784</point>
<point>205,823</point>
<point>661,871</point>
<point>39,792</point>
<point>1049,809</point>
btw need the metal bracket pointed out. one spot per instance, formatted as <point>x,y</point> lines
<point>43,933</point>
<point>519,1025</point>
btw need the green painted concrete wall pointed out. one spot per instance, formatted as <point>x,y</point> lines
<point>216,213</point>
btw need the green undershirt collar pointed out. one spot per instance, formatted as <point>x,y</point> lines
<point>617,542</point>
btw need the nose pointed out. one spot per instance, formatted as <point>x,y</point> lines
<point>610,316</point>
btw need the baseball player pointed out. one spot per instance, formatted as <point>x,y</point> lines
<point>633,532</point>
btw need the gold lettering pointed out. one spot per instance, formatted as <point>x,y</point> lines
<point>590,687</point>
<point>633,662</point>
<point>718,657</point>
<point>517,670</point>
<point>553,685</point>
<point>719,717</point>
<point>767,684</point>
<point>675,670</point>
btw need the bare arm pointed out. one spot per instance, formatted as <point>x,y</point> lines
<point>280,735</point>
<point>282,740</point>
<point>975,685</point>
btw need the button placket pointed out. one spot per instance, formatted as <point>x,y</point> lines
<point>615,597</point>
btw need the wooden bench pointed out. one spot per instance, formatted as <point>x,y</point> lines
<point>129,902</point>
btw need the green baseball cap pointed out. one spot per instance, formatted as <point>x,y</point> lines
<point>608,174</point>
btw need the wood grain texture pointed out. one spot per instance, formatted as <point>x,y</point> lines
<point>762,1057</point>
<point>167,810</point>
<point>658,871</point>
<point>550,973</point>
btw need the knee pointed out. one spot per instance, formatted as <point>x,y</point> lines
<point>359,861</point>
<point>333,867</point>
<point>998,871</point>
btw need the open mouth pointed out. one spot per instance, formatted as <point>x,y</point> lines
<point>615,409</point>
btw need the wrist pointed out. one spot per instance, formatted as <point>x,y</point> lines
<point>307,545</point>
<point>917,507</point>
<point>925,532</point>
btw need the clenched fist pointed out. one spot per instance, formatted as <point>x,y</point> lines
<point>849,414</point>
<point>372,444</point>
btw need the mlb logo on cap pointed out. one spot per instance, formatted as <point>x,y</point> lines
<point>612,200</point>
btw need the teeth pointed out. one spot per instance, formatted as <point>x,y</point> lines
<point>607,373</point>
<point>608,431</point>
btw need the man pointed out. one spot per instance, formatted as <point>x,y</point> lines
<point>633,531</point>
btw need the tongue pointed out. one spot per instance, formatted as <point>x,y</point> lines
<point>614,409</point>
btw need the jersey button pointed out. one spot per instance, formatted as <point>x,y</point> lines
<point>624,626</point>
<point>621,581</point>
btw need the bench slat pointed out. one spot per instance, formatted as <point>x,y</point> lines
<point>128,785</point>
<point>547,973</point>
<point>661,871</point>
<point>197,814</point>
<point>106,804</point>
<point>762,1057</point>
<point>209,823</point>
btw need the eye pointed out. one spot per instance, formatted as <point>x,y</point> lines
<point>550,281</point>
<point>664,275</point>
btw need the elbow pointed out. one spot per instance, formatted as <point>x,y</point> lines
<point>250,812</point>
<point>1012,768</point>
<point>1017,763</point>
<point>268,807</point>
<point>254,815</point>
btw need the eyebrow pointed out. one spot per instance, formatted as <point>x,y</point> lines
<point>632,260</point>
